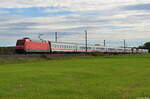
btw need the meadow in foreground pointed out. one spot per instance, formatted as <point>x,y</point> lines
<point>110,77</point>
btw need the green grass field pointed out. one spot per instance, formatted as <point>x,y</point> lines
<point>88,77</point>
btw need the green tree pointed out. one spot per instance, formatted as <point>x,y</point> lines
<point>147,46</point>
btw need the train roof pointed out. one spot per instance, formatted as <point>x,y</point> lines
<point>34,40</point>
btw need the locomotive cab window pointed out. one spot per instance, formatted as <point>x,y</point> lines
<point>20,42</point>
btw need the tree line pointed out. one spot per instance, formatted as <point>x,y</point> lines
<point>146,46</point>
<point>7,50</point>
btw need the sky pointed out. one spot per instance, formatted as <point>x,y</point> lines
<point>110,20</point>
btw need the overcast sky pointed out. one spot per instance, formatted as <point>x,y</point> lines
<point>112,20</point>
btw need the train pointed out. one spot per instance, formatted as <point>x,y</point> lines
<point>27,45</point>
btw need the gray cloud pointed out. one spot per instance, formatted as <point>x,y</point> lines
<point>137,7</point>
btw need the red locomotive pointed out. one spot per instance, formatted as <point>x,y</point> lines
<point>28,45</point>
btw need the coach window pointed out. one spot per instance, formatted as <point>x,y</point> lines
<point>54,46</point>
<point>102,48</point>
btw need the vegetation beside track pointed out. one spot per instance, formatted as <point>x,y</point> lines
<point>7,50</point>
<point>25,58</point>
<point>82,77</point>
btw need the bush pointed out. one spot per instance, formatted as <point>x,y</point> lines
<point>7,50</point>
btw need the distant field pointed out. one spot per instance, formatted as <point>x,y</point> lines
<point>88,77</point>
